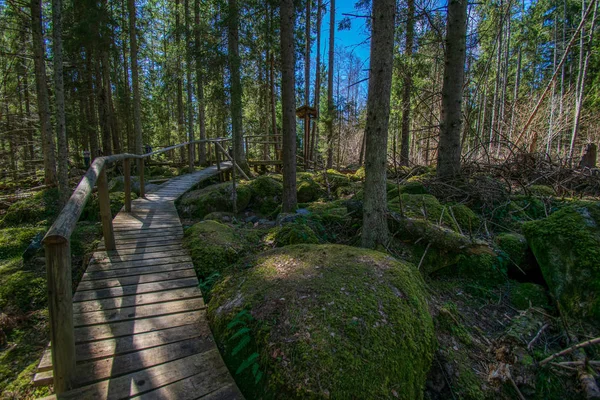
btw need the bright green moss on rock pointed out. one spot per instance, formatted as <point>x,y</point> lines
<point>359,175</point>
<point>513,248</point>
<point>328,321</point>
<point>292,233</point>
<point>308,190</point>
<point>39,209</point>
<point>567,248</point>
<point>266,194</point>
<point>334,178</point>
<point>214,247</point>
<point>525,295</point>
<point>13,241</point>
<point>219,197</point>
<point>467,220</point>
<point>23,291</point>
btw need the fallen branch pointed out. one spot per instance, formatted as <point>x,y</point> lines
<point>570,350</point>
<point>530,345</point>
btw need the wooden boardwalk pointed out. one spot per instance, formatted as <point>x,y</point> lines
<point>140,320</point>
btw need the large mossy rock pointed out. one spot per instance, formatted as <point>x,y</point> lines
<point>325,321</point>
<point>307,189</point>
<point>214,246</point>
<point>567,248</point>
<point>267,194</point>
<point>292,233</point>
<point>219,197</point>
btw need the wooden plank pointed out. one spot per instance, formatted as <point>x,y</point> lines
<point>143,245</point>
<point>105,266</point>
<point>140,299</point>
<point>137,280</point>
<point>137,312</point>
<point>94,371</point>
<point>228,392</point>
<point>116,256</point>
<point>135,271</point>
<point>149,239</point>
<point>128,328</point>
<point>127,290</point>
<point>140,382</point>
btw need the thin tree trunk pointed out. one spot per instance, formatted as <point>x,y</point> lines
<point>200,84</point>
<point>236,84</point>
<point>180,111</point>
<point>407,85</point>
<point>59,96</point>
<point>39,50</point>
<point>313,143</point>
<point>288,99</point>
<point>375,230</point>
<point>449,151</point>
<point>306,141</point>
<point>189,85</point>
<point>137,109</point>
<point>330,66</point>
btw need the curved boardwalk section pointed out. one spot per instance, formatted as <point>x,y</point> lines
<point>140,320</point>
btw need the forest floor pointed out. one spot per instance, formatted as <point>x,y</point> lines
<point>494,315</point>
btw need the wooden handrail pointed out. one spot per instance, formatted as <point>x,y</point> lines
<point>57,245</point>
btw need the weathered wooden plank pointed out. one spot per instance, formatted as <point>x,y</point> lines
<point>140,382</point>
<point>106,266</point>
<point>137,280</point>
<point>142,245</point>
<point>119,291</point>
<point>120,256</point>
<point>136,271</point>
<point>228,392</point>
<point>137,312</point>
<point>140,299</point>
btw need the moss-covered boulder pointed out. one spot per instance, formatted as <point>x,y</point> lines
<point>219,197</point>
<point>292,233</point>
<point>359,175</point>
<point>307,188</point>
<point>39,209</point>
<point>332,179</point>
<point>325,321</point>
<point>214,246</point>
<point>266,194</point>
<point>567,248</point>
<point>513,248</point>
<point>525,295</point>
<point>219,216</point>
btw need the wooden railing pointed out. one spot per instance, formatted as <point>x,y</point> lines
<point>57,245</point>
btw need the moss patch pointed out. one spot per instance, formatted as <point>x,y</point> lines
<point>326,321</point>
<point>199,203</point>
<point>266,194</point>
<point>38,209</point>
<point>525,295</point>
<point>292,233</point>
<point>567,248</point>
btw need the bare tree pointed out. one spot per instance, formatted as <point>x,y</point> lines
<point>375,230</point>
<point>448,160</point>
<point>288,100</point>
<point>407,85</point>
<point>330,67</point>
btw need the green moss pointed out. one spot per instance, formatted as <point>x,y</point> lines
<point>214,247</point>
<point>292,233</point>
<point>359,175</point>
<point>327,320</point>
<point>266,194</point>
<point>541,190</point>
<point>567,248</point>
<point>308,190</point>
<point>335,179</point>
<point>219,216</point>
<point>13,241</point>
<point>406,187</point>
<point>23,291</point>
<point>39,209</point>
<point>513,245</point>
<point>161,171</point>
<point>466,218</point>
<point>525,295</point>
<point>484,268</point>
<point>219,197</point>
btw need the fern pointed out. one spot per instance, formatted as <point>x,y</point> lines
<point>242,331</point>
<point>240,346</point>
<point>248,362</point>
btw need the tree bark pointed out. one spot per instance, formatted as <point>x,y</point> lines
<point>236,84</point>
<point>407,85</point>
<point>331,66</point>
<point>200,84</point>
<point>39,50</point>
<point>448,160</point>
<point>137,109</point>
<point>315,135</point>
<point>189,85</point>
<point>59,96</point>
<point>288,99</point>
<point>375,229</point>
<point>306,141</point>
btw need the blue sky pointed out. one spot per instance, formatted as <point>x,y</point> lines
<point>347,38</point>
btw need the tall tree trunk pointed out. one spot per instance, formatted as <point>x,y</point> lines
<point>330,67</point>
<point>236,84</point>
<point>306,141</point>
<point>179,72</point>
<point>39,50</point>
<point>127,90</point>
<point>135,81</point>
<point>375,230</point>
<point>313,143</point>
<point>288,99</point>
<point>448,160</point>
<point>189,85</point>
<point>410,27</point>
<point>59,96</point>
<point>91,106</point>
<point>200,84</point>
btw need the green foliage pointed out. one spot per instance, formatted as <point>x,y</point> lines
<point>316,308</point>
<point>23,291</point>
<point>567,248</point>
<point>39,209</point>
<point>13,241</point>
<point>296,232</point>
<point>525,295</point>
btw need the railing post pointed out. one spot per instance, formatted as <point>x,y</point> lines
<point>141,175</point>
<point>60,307</point>
<point>127,183</point>
<point>191,156</point>
<point>218,159</point>
<point>105,214</point>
